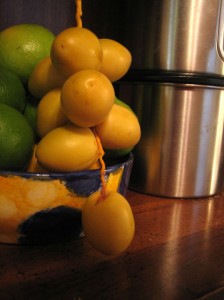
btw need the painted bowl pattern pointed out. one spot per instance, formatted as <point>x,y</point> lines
<point>46,208</point>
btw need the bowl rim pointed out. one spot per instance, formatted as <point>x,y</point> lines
<point>127,159</point>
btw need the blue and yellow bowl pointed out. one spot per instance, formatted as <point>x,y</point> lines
<point>38,208</point>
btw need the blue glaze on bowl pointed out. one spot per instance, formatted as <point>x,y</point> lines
<point>51,210</point>
<point>51,225</point>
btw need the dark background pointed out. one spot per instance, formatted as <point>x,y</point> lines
<point>103,17</point>
<point>124,21</point>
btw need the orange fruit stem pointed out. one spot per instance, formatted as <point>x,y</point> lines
<point>102,163</point>
<point>78,13</point>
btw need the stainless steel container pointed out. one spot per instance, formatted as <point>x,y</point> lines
<point>181,151</point>
<point>175,35</point>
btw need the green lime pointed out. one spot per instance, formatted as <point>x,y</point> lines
<point>16,139</point>
<point>22,46</point>
<point>12,91</point>
<point>30,112</point>
<point>122,103</point>
<point>116,153</point>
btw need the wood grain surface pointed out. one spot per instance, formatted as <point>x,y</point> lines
<point>177,253</point>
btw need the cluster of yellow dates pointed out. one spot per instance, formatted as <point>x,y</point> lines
<point>78,117</point>
<point>78,101</point>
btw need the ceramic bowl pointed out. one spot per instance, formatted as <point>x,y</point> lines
<point>39,208</point>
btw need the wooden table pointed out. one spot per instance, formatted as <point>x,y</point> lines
<point>177,253</point>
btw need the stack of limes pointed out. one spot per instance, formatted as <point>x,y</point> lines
<point>70,76</point>
<point>22,46</point>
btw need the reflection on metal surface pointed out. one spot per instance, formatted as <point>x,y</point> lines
<point>181,151</point>
<point>220,40</point>
<point>182,222</point>
<point>175,35</point>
